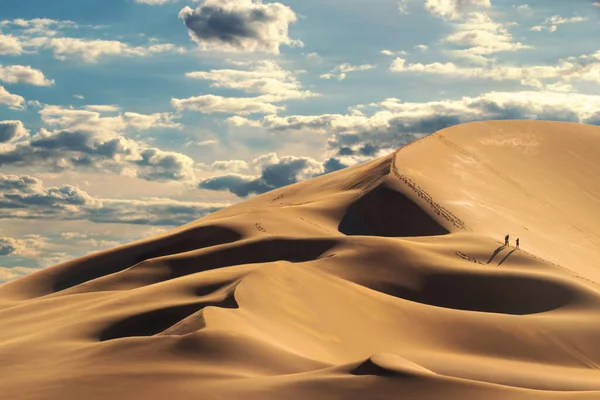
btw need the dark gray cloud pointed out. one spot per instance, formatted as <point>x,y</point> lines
<point>239,25</point>
<point>332,164</point>
<point>97,149</point>
<point>7,247</point>
<point>274,173</point>
<point>25,197</point>
<point>11,131</point>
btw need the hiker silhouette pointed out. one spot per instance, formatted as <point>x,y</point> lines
<point>517,243</point>
<point>506,240</point>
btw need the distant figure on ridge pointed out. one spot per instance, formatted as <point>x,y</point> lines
<point>517,243</point>
<point>506,240</point>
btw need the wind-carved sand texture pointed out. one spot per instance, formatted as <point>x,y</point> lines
<point>386,280</point>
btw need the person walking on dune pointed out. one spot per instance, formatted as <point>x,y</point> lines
<point>517,246</point>
<point>506,240</point>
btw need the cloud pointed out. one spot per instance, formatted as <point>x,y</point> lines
<point>26,197</point>
<point>102,107</point>
<point>155,2</point>
<point>266,78</point>
<point>230,166</point>
<point>582,68</point>
<point>38,26</point>
<point>274,172</point>
<point>13,101</point>
<point>393,53</point>
<point>454,9</point>
<point>393,123</point>
<point>341,70</point>
<point>239,25</point>
<point>480,36</point>
<point>157,164</point>
<point>403,6</point>
<point>421,47</point>
<point>79,96</point>
<point>24,74</point>
<point>11,273</point>
<point>211,103</point>
<point>12,131</point>
<point>91,118</point>
<point>91,50</point>
<point>263,77</point>
<point>551,23</point>
<point>29,246</point>
<point>84,139</point>
<point>10,45</point>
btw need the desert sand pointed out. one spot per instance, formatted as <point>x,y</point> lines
<point>387,280</point>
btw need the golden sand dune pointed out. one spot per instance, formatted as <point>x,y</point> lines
<point>382,281</point>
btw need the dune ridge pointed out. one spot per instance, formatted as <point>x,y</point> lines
<point>382,280</point>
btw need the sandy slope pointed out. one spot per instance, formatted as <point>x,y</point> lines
<point>385,280</point>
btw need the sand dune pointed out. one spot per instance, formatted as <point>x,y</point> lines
<point>382,281</point>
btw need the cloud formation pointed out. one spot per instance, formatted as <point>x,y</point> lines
<point>91,50</point>
<point>477,36</point>
<point>273,173</point>
<point>454,9</point>
<point>551,23</point>
<point>340,72</point>
<point>86,140</point>
<point>239,25</point>
<point>13,101</point>
<point>394,123</point>
<point>23,74</point>
<point>262,77</point>
<point>210,103</point>
<point>27,197</point>
<point>582,68</point>
<point>12,131</point>
<point>266,78</point>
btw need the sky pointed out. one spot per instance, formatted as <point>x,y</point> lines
<point>121,119</point>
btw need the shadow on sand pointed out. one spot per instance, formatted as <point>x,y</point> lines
<point>498,250</point>
<point>506,256</point>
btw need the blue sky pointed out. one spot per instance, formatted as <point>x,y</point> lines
<point>120,119</point>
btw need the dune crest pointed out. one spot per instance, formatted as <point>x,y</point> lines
<point>382,279</point>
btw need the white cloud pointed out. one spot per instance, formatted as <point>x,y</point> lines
<point>393,53</point>
<point>10,273</point>
<point>91,50</point>
<point>79,96</point>
<point>394,123</point>
<point>240,26</point>
<point>155,2</point>
<point>10,45</point>
<point>340,72</point>
<point>551,23</point>
<point>454,9</point>
<point>24,74</point>
<point>236,120</point>
<point>230,166</point>
<point>91,119</point>
<point>582,68</point>
<point>524,9</point>
<point>13,101</point>
<point>262,77</point>
<point>480,36</point>
<point>403,6</point>
<point>211,103</point>
<point>421,47</point>
<point>102,108</point>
